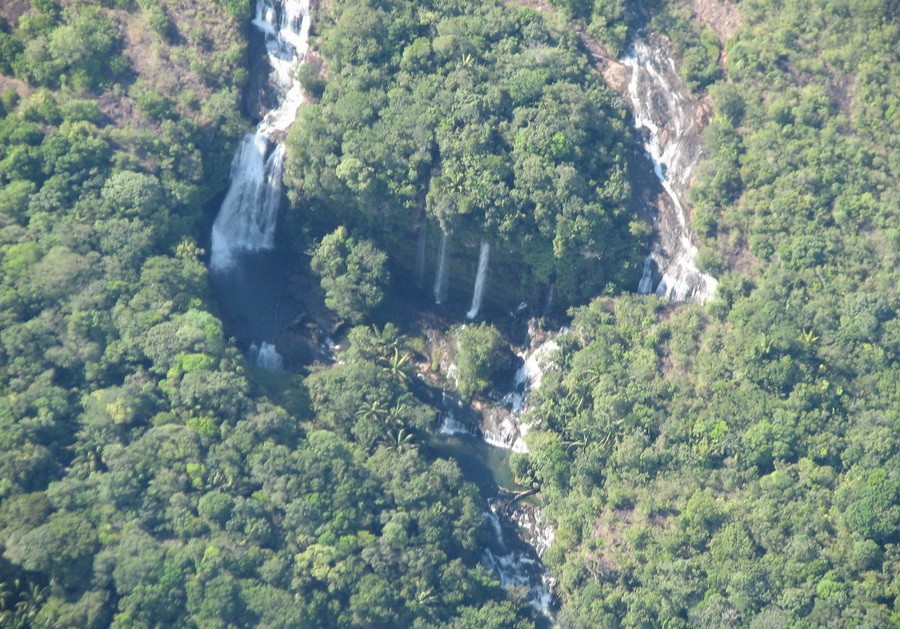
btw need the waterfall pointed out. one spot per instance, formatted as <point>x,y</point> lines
<point>645,287</point>
<point>246,221</point>
<point>551,294</point>
<point>517,565</point>
<point>440,279</point>
<point>672,123</point>
<point>265,356</point>
<point>480,279</point>
<point>420,255</point>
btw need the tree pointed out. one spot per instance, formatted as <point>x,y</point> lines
<point>479,356</point>
<point>62,548</point>
<point>353,273</point>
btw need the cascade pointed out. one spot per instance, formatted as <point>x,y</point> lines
<point>421,253</point>
<point>517,564</point>
<point>480,280</point>
<point>665,112</point>
<point>246,221</point>
<point>440,278</point>
<point>520,536</point>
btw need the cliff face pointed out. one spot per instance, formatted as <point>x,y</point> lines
<point>671,121</point>
<point>509,280</point>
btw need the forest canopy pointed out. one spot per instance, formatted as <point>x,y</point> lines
<point>477,117</point>
<point>733,463</point>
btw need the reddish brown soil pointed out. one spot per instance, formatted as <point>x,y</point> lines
<point>11,10</point>
<point>721,16</point>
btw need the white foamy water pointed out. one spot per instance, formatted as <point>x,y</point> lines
<point>480,280</point>
<point>440,278</point>
<point>265,356</point>
<point>247,219</point>
<point>516,565</point>
<point>664,110</point>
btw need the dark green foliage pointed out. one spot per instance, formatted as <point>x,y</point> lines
<point>145,481</point>
<point>479,355</point>
<point>353,273</point>
<point>312,83</point>
<point>734,464</point>
<point>728,464</point>
<point>480,117</point>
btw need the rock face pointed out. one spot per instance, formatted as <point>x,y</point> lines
<point>500,423</point>
<point>497,418</point>
<point>531,525</point>
<point>672,122</point>
<point>506,281</point>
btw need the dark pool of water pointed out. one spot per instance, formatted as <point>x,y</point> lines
<point>482,464</point>
<point>253,297</point>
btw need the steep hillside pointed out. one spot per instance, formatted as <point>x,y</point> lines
<point>147,479</point>
<point>736,464</point>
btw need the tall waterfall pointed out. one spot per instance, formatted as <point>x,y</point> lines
<point>440,278</point>
<point>246,220</point>
<point>664,109</point>
<point>480,280</point>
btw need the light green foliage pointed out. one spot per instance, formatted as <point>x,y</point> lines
<point>698,45</point>
<point>609,24</point>
<point>82,52</point>
<point>353,273</point>
<point>478,356</point>
<point>732,463</point>
<point>736,461</point>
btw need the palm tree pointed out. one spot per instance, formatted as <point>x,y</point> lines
<point>404,440</point>
<point>373,410</point>
<point>398,364</point>
<point>397,414</point>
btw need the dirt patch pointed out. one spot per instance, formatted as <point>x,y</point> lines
<point>721,16</point>
<point>842,89</point>
<point>187,66</point>
<point>12,10</point>
<point>614,73</point>
<point>538,5</point>
<point>120,109</point>
<point>21,88</point>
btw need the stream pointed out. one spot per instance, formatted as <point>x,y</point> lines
<point>249,273</point>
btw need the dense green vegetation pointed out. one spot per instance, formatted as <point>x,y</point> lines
<point>732,464</point>
<point>353,274</point>
<point>474,115</point>
<point>146,479</point>
<point>478,357</point>
<point>736,464</point>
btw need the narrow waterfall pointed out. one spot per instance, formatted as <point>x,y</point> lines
<point>672,123</point>
<point>440,278</point>
<point>247,218</point>
<point>551,294</point>
<point>645,287</point>
<point>480,280</point>
<point>421,253</point>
